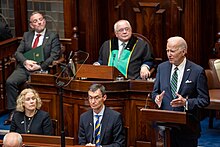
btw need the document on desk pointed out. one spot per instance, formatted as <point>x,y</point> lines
<point>35,54</point>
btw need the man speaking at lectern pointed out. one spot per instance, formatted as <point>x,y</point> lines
<point>38,36</point>
<point>130,55</point>
<point>181,85</point>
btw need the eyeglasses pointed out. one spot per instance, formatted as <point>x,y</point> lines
<point>90,98</point>
<point>124,29</point>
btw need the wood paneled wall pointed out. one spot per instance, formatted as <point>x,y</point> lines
<point>195,20</point>
<point>157,19</point>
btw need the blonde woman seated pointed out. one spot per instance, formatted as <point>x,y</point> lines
<point>28,118</point>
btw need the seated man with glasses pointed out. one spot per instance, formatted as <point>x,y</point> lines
<point>100,126</point>
<point>130,55</point>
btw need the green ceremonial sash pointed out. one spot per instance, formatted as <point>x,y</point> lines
<point>122,63</point>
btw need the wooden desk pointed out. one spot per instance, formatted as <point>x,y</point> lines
<point>126,97</point>
<point>31,144</point>
<point>33,140</point>
<point>46,139</point>
<point>165,118</point>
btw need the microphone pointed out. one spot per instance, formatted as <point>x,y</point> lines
<point>65,69</point>
<point>71,70</point>
<point>65,66</point>
<point>70,55</point>
<point>70,66</point>
<point>147,106</point>
<point>86,58</point>
<point>113,60</point>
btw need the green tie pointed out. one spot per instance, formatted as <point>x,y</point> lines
<point>173,83</point>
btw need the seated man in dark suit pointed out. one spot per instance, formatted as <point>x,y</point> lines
<point>39,35</point>
<point>100,126</point>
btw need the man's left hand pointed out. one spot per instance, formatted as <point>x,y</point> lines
<point>178,102</point>
<point>144,73</point>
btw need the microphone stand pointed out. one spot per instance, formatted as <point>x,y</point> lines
<point>60,87</point>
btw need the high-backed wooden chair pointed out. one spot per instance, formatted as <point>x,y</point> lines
<point>6,64</point>
<point>213,74</point>
<point>213,77</point>
<point>156,60</point>
<point>55,126</point>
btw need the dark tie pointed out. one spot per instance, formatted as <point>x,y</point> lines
<point>97,131</point>
<point>36,41</point>
<point>173,83</point>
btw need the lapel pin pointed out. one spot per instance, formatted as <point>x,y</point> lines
<point>188,81</point>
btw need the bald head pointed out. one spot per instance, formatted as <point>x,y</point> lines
<point>12,139</point>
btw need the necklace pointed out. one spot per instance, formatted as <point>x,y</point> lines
<point>27,126</point>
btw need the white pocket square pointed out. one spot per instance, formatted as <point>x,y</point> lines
<point>188,81</point>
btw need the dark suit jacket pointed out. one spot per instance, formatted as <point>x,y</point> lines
<point>41,123</point>
<point>193,85</point>
<point>51,48</point>
<point>112,132</point>
<point>142,54</point>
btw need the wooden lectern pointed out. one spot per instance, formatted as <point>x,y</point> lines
<point>165,117</point>
<point>103,72</point>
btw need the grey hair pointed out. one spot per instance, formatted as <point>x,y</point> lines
<point>116,24</point>
<point>180,42</point>
<point>35,12</point>
<point>95,87</point>
<point>18,136</point>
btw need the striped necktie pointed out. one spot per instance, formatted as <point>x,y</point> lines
<point>123,47</point>
<point>173,83</point>
<point>97,131</point>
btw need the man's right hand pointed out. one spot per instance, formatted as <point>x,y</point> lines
<point>159,98</point>
<point>30,64</point>
<point>96,63</point>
